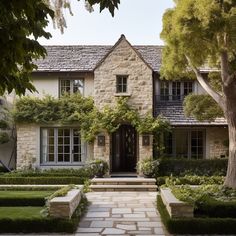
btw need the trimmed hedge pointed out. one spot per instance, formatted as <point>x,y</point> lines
<point>181,167</point>
<point>191,180</point>
<point>208,206</point>
<point>36,201</point>
<point>49,225</point>
<point>195,225</point>
<point>42,180</point>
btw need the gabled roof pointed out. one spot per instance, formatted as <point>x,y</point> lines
<point>122,38</point>
<point>175,114</point>
<point>84,58</point>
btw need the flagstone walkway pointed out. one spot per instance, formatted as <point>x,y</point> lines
<point>121,213</point>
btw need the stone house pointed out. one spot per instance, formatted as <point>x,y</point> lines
<point>105,73</point>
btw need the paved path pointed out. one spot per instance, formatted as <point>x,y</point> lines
<point>121,213</point>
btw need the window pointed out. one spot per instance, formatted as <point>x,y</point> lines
<point>188,88</point>
<point>71,86</point>
<point>121,83</point>
<point>175,91</point>
<point>182,143</point>
<point>164,91</point>
<point>60,145</point>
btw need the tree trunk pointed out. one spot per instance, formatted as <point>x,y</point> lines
<point>230,114</point>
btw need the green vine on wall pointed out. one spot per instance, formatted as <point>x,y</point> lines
<point>80,111</point>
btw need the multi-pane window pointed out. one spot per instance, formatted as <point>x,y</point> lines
<point>197,144</point>
<point>164,91</point>
<point>188,88</point>
<point>71,86</point>
<point>121,83</point>
<point>175,90</point>
<point>183,143</point>
<point>60,145</point>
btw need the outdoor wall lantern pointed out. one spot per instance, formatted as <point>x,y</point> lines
<point>146,140</point>
<point>101,140</point>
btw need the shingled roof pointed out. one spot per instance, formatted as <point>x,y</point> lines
<point>174,113</point>
<point>85,58</point>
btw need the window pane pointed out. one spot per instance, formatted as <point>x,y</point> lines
<point>121,84</point>
<point>78,86</point>
<point>66,157</point>
<point>60,157</point>
<point>188,88</point>
<point>164,91</point>
<point>64,86</point>
<point>181,140</point>
<point>176,91</point>
<point>197,144</point>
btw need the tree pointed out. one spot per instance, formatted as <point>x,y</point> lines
<point>199,33</point>
<point>22,22</point>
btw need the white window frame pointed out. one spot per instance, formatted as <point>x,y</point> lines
<point>71,86</point>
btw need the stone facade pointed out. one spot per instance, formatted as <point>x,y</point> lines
<point>28,136</point>
<point>216,137</point>
<point>123,60</point>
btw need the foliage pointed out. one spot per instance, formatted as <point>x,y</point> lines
<point>190,179</point>
<point>78,110</point>
<point>98,167</point>
<point>148,166</point>
<point>4,137</point>
<point>202,107</point>
<point>42,180</point>
<point>64,172</point>
<point>30,224</point>
<point>19,20</point>
<point>22,23</point>
<point>61,192</point>
<point>195,225</point>
<point>23,198</point>
<point>181,167</point>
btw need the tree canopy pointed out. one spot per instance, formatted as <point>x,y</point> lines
<point>22,22</point>
<point>200,35</point>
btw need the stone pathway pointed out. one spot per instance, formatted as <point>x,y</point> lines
<point>121,213</point>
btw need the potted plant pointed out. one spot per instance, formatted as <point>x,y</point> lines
<point>148,167</point>
<point>98,167</point>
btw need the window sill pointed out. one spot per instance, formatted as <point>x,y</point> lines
<point>122,94</point>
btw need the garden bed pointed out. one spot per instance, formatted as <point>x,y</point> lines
<point>25,211</point>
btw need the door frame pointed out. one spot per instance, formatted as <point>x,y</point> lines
<point>112,150</point>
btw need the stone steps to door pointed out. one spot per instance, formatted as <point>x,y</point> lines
<point>123,184</point>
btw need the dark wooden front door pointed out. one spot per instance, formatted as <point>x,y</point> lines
<point>124,149</point>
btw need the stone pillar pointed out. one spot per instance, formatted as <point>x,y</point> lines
<point>145,151</point>
<point>102,151</point>
<point>27,146</point>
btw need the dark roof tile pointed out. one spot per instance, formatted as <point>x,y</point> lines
<point>85,58</point>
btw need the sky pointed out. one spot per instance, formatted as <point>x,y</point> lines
<point>139,20</point>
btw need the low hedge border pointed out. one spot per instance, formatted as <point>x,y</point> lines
<point>42,180</point>
<point>210,207</point>
<point>39,225</point>
<point>11,201</point>
<point>182,166</point>
<point>191,180</point>
<point>195,225</point>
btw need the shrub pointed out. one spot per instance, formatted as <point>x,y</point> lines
<point>148,166</point>
<point>98,167</point>
<point>208,206</point>
<point>42,180</point>
<point>181,167</point>
<point>44,224</point>
<point>195,225</point>
<point>39,201</point>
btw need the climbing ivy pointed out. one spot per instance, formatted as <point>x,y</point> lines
<point>77,110</point>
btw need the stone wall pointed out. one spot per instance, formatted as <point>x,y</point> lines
<point>102,152</point>
<point>145,151</point>
<point>27,146</point>
<point>215,138</point>
<point>123,60</point>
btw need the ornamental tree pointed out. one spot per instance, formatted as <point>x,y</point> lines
<point>200,33</point>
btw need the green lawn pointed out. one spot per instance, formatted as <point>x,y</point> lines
<point>20,212</point>
<point>25,194</point>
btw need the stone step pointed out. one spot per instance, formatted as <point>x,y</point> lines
<point>109,187</point>
<point>123,181</point>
